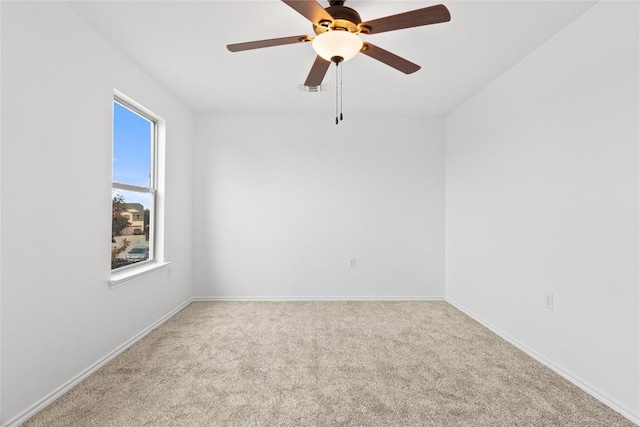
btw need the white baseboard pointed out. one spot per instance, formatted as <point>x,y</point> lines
<point>319,298</point>
<point>583,385</point>
<point>47,400</point>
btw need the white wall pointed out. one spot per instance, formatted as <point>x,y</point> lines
<point>58,315</point>
<point>284,201</point>
<point>542,195</point>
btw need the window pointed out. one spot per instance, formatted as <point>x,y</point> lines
<point>134,186</point>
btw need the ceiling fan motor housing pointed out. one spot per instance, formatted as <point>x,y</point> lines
<point>344,19</point>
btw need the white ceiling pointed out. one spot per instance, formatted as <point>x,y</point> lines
<point>183,45</point>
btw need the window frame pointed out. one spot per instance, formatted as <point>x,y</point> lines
<point>127,272</point>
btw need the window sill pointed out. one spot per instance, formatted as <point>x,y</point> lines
<point>125,277</point>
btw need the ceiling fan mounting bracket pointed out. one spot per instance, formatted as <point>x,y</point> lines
<point>364,29</point>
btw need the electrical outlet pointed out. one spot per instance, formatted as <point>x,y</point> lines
<point>352,263</point>
<point>548,300</point>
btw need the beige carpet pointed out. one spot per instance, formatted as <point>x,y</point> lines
<point>324,364</point>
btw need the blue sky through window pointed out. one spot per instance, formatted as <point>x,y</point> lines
<point>132,135</point>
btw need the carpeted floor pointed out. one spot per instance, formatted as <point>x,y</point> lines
<point>324,364</point>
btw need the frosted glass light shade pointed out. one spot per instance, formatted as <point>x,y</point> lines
<point>337,43</point>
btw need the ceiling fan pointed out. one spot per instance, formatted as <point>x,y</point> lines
<point>337,30</point>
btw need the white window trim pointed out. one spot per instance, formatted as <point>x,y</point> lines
<point>121,277</point>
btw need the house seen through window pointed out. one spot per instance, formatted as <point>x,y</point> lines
<point>133,186</point>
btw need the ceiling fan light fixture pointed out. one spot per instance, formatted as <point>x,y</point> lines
<point>337,44</point>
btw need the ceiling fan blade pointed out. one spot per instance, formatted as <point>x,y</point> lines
<point>389,58</point>
<point>237,47</point>
<point>310,9</point>
<point>318,71</point>
<point>415,18</point>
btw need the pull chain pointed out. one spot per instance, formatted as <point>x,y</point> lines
<point>338,92</point>
<point>337,60</point>
<point>337,76</point>
<point>341,93</point>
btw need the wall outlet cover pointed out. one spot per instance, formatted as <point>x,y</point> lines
<point>548,300</point>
